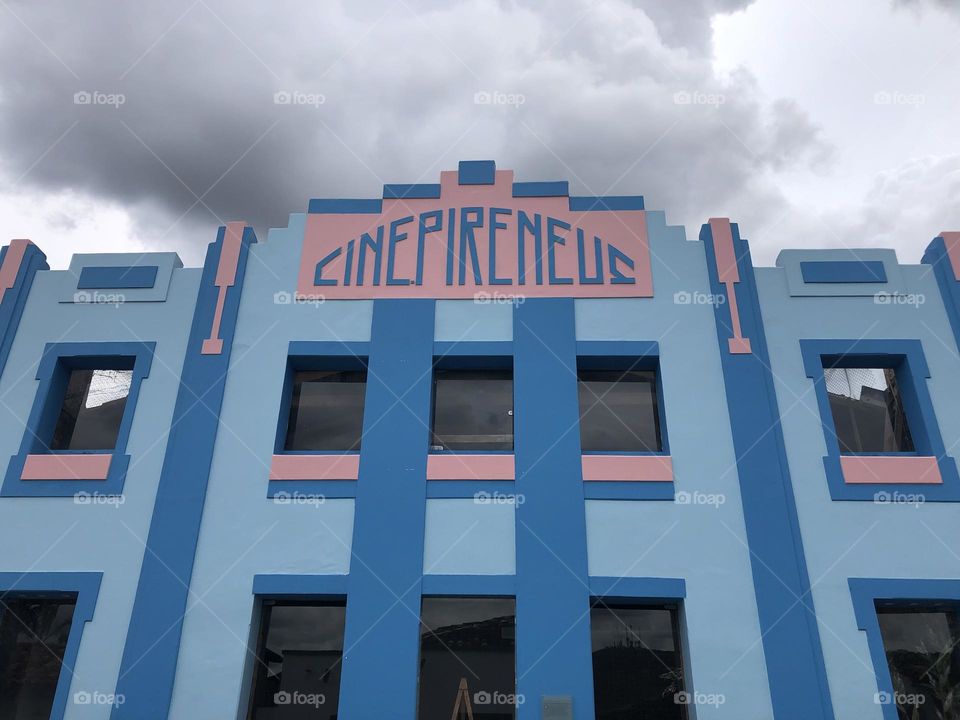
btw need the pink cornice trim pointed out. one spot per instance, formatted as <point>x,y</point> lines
<point>470,467</point>
<point>315,467</point>
<point>886,469</point>
<point>952,242</point>
<point>66,467</point>
<point>729,274</point>
<point>11,265</point>
<point>628,468</point>
<point>226,277</point>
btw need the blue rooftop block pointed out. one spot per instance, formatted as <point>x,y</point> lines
<point>477,172</point>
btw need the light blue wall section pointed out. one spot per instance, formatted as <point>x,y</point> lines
<point>466,537</point>
<point>859,539</point>
<point>702,541</point>
<point>250,534</point>
<point>467,320</point>
<point>58,534</point>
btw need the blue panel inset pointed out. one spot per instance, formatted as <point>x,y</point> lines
<point>149,662</point>
<point>411,191</point>
<point>292,587</point>
<point>613,202</point>
<point>477,172</point>
<point>15,298</point>
<point>117,277</point>
<point>632,588</point>
<point>466,585</point>
<point>843,271</point>
<point>389,516</point>
<point>345,207</point>
<point>558,188</point>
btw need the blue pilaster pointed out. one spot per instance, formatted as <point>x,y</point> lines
<point>788,626</point>
<point>15,297</point>
<point>149,662</point>
<point>936,255</point>
<point>381,638</point>
<point>553,596</point>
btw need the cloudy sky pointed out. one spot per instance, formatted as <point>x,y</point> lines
<point>813,123</point>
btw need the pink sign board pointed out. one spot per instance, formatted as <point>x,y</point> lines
<point>475,241</point>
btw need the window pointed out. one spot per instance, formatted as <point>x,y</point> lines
<point>637,665</point>
<point>92,410</point>
<point>467,659</point>
<point>867,410</point>
<point>920,644</point>
<point>618,411</point>
<point>472,410</point>
<point>299,654</point>
<point>33,638</point>
<point>326,410</point>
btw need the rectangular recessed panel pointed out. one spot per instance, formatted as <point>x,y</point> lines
<point>118,277</point>
<point>843,271</point>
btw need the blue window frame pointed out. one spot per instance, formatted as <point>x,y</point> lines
<point>56,364</point>
<point>872,594</point>
<point>83,589</point>
<point>906,359</point>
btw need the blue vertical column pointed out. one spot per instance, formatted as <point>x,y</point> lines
<point>19,263</point>
<point>382,634</point>
<point>788,625</point>
<point>149,662</point>
<point>943,254</point>
<point>553,597</point>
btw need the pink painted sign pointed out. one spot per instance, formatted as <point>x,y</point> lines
<point>475,241</point>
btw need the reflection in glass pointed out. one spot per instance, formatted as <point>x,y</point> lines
<point>92,409</point>
<point>33,638</point>
<point>921,648</point>
<point>326,410</point>
<point>637,666</point>
<point>467,659</point>
<point>618,411</point>
<point>472,410</point>
<point>867,410</point>
<point>297,673</point>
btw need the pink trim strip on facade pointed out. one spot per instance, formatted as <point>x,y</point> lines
<point>952,242</point>
<point>11,265</point>
<point>470,467</point>
<point>226,277</point>
<point>729,274</point>
<point>66,467</point>
<point>885,470</point>
<point>315,467</point>
<point>627,468</point>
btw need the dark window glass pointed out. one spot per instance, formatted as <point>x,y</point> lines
<point>297,673</point>
<point>637,665</point>
<point>472,410</point>
<point>867,410</point>
<point>921,649</point>
<point>33,637</point>
<point>467,661</point>
<point>326,411</point>
<point>92,410</point>
<point>618,411</point>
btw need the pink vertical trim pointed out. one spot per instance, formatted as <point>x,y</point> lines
<point>636,468</point>
<point>729,274</point>
<point>315,467</point>
<point>470,467</point>
<point>226,277</point>
<point>887,469</point>
<point>952,242</point>
<point>11,265</point>
<point>66,467</point>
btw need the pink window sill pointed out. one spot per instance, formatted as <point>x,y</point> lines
<point>627,468</point>
<point>66,467</point>
<point>470,467</point>
<point>315,467</point>
<point>890,469</point>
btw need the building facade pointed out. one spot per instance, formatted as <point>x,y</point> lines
<point>480,449</point>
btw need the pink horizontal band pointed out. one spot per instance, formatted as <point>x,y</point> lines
<point>885,469</point>
<point>66,467</point>
<point>628,468</point>
<point>315,467</point>
<point>470,467</point>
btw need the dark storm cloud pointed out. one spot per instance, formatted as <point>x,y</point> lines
<point>615,96</point>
